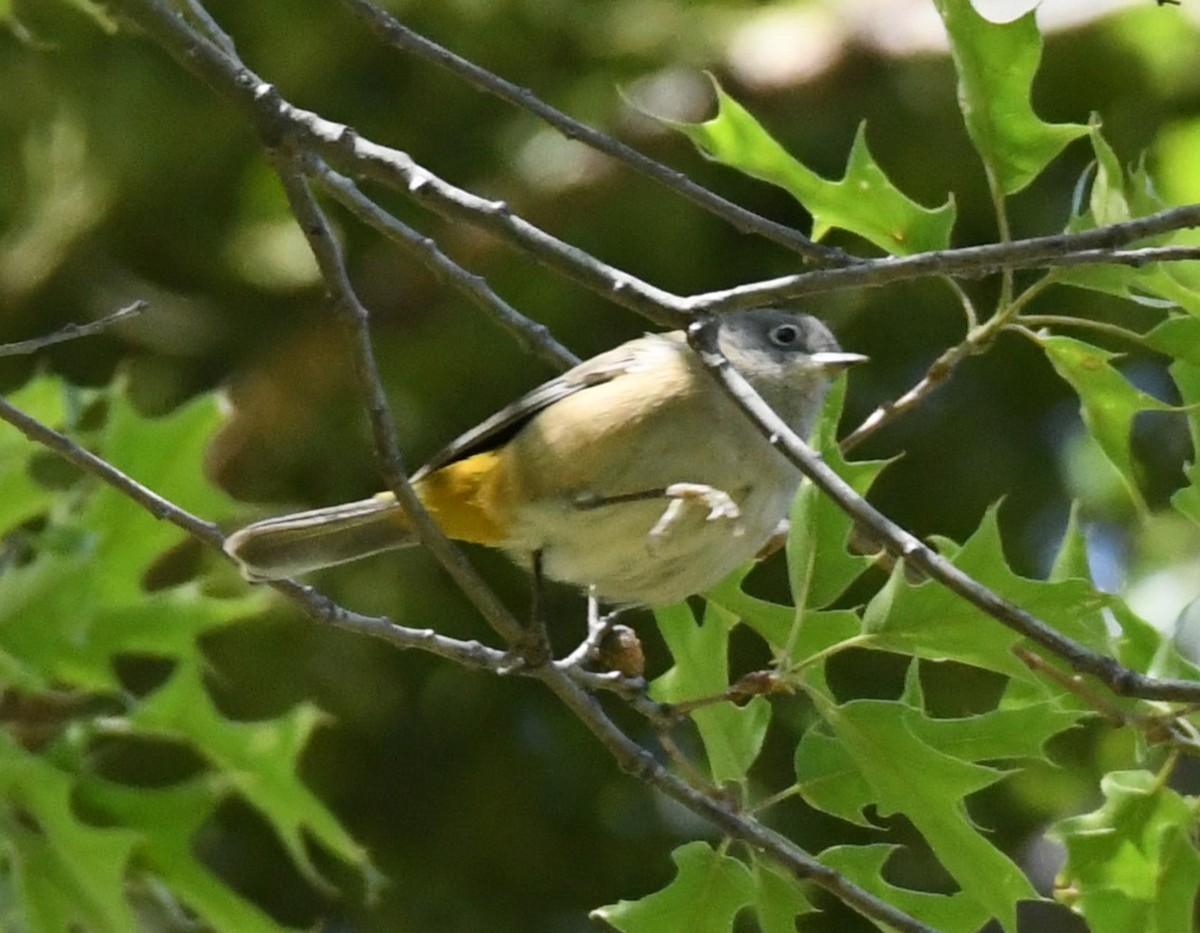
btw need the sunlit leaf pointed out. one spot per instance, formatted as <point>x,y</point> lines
<point>864,201</point>
<point>996,66</point>
<point>1186,374</point>
<point>1108,402</point>
<point>950,913</point>
<point>819,565</point>
<point>908,775</point>
<point>1133,864</point>
<point>732,735</point>
<point>778,898</point>
<point>21,497</point>
<point>706,895</point>
<point>930,621</point>
<point>167,820</point>
<point>166,455</point>
<point>830,779</point>
<point>66,875</point>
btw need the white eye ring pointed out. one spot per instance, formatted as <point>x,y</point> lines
<point>785,335</point>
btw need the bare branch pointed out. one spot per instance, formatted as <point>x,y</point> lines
<point>387,446</point>
<point>902,544</point>
<point>74,331</point>
<point>1098,246</point>
<point>532,336</point>
<point>401,37</point>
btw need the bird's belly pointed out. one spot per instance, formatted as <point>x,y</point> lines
<point>630,555</point>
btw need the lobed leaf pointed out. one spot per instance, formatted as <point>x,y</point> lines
<point>908,775</point>
<point>66,875</point>
<point>1108,402</point>
<point>732,735</point>
<point>167,820</point>
<point>928,621</point>
<point>261,760</point>
<point>996,64</point>
<point>1132,864</point>
<point>949,913</point>
<point>820,566</point>
<point>864,201</point>
<point>707,893</point>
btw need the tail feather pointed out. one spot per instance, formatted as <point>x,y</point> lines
<point>277,548</point>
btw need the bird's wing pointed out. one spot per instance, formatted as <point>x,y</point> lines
<point>494,431</point>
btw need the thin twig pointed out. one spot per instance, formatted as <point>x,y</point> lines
<point>532,336</point>
<point>471,654</point>
<point>902,544</point>
<point>401,37</point>
<point>1098,246</point>
<point>979,338</point>
<point>1036,321</point>
<point>356,319</point>
<point>74,331</point>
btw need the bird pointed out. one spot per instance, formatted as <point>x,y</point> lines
<point>633,475</point>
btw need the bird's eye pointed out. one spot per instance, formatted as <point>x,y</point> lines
<point>785,335</point>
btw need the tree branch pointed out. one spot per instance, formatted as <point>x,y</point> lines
<point>285,126</point>
<point>532,336</point>
<point>387,445</point>
<point>1099,246</point>
<point>74,331</point>
<point>396,34</point>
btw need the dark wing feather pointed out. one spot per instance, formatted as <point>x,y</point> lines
<point>496,430</point>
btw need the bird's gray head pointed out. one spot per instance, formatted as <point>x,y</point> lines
<point>790,358</point>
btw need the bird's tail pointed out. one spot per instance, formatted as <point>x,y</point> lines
<point>276,548</point>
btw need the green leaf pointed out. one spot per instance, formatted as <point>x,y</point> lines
<point>778,898</point>
<point>1116,196</point>
<point>929,621</point>
<point>66,875</point>
<point>261,760</point>
<point>864,201</point>
<point>1071,561</point>
<point>819,565</point>
<point>1109,403</point>
<point>166,455</point>
<point>22,498</point>
<point>952,913</point>
<point>167,820</point>
<point>1133,864</point>
<point>732,735</point>
<point>908,775</point>
<point>830,779</point>
<point>996,66</point>
<point>705,896</point>
<point>1187,378</point>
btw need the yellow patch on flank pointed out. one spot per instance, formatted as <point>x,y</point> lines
<point>469,498</point>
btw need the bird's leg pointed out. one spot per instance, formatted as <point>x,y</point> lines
<point>598,626</point>
<point>535,649</point>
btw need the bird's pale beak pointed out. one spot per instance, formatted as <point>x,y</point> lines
<point>836,361</point>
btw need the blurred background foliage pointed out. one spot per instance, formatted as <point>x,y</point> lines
<point>485,805</point>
